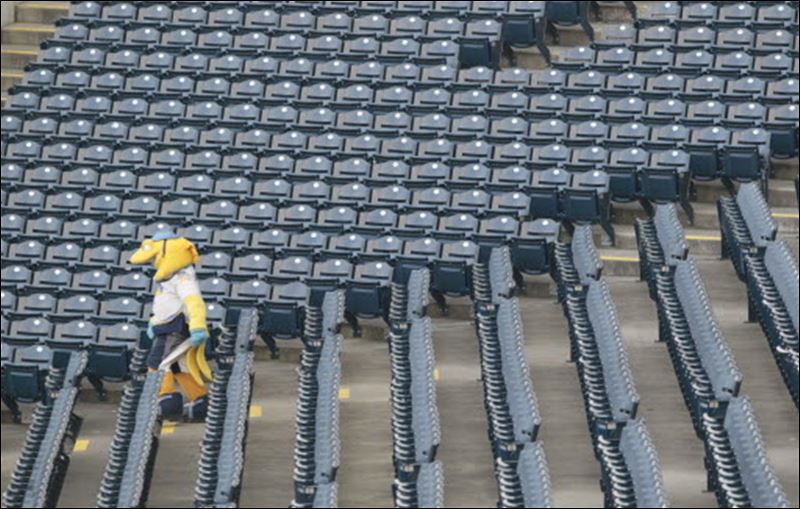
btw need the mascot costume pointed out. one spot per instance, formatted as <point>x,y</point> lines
<point>178,321</point>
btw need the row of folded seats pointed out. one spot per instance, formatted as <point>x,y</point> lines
<point>134,444</point>
<point>215,74</point>
<point>216,12</point>
<point>416,429</point>
<point>247,200</point>
<point>630,471</point>
<point>710,381</point>
<point>767,266</point>
<point>766,14</point>
<point>455,112</point>
<point>39,473</point>
<point>92,143</point>
<point>222,450</point>
<point>513,419</point>
<point>317,445</point>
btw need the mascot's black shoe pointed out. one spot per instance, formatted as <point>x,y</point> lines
<point>195,411</point>
<point>171,406</point>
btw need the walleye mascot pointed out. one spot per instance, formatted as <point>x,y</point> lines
<point>177,324</point>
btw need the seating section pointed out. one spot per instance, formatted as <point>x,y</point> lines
<point>40,470</point>
<point>521,471</point>
<point>221,464</point>
<point>707,373</point>
<point>631,476</point>
<point>767,266</point>
<point>316,452</point>
<point>416,429</point>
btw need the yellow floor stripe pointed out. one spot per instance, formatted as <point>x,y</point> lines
<point>344,393</point>
<point>786,215</point>
<point>619,259</point>
<point>26,52</point>
<point>167,428</point>
<point>436,374</point>
<point>704,237</point>
<point>80,446</point>
<point>51,6</point>
<point>12,74</point>
<point>40,28</point>
<point>256,411</point>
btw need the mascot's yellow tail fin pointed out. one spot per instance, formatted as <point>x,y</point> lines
<point>198,366</point>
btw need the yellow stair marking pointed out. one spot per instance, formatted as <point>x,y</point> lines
<point>80,445</point>
<point>19,51</point>
<point>256,411</point>
<point>18,27</point>
<point>619,259</point>
<point>436,374</point>
<point>9,73</point>
<point>704,237</point>
<point>52,6</point>
<point>168,428</point>
<point>344,393</point>
<point>786,215</point>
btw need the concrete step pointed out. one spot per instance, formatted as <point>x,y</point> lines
<point>785,169</point>
<point>701,242</point>
<point>41,12</point>
<point>9,78</point>
<point>614,13</point>
<point>17,56</point>
<point>26,33</point>
<point>781,192</point>
<point>705,216</point>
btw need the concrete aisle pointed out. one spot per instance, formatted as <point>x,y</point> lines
<point>88,460</point>
<point>270,439</point>
<point>465,451</point>
<point>774,409</point>
<point>574,472</point>
<point>366,472</point>
<point>662,406</point>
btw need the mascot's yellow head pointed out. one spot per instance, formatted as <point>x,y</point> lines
<point>168,252</point>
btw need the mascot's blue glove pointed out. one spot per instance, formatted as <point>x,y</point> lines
<point>150,333</point>
<point>198,336</point>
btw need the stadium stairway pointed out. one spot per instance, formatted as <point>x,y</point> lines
<point>33,23</point>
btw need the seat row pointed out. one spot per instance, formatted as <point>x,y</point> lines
<point>749,39</point>
<point>629,463</point>
<point>774,65</point>
<point>766,14</point>
<point>134,444</point>
<point>218,12</point>
<point>768,268</point>
<point>221,464</point>
<point>256,105</point>
<point>512,412</point>
<point>316,452</point>
<point>416,429</point>
<point>740,124</point>
<point>39,473</point>
<point>270,25</point>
